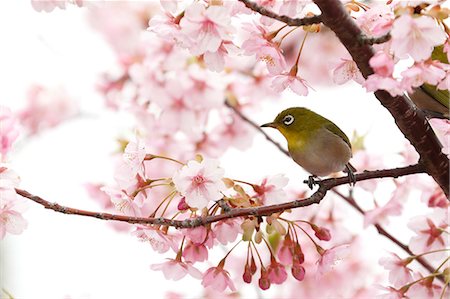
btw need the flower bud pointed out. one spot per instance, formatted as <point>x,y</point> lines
<point>247,276</point>
<point>298,272</point>
<point>264,282</point>
<point>321,233</point>
<point>182,205</point>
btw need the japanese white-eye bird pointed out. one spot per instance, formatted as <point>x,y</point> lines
<point>314,142</point>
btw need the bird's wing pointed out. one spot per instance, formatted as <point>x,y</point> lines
<point>336,131</point>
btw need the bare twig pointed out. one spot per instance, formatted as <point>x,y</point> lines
<point>285,19</point>
<point>324,187</point>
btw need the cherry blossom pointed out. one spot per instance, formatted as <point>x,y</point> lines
<point>161,242</point>
<point>46,108</point>
<point>430,232</point>
<point>416,36</point>
<point>11,220</point>
<point>277,272</point>
<point>218,279</point>
<point>295,83</point>
<point>376,21</point>
<point>271,189</point>
<point>331,258</point>
<point>227,231</point>
<point>399,274</point>
<point>379,214</point>
<point>9,130</point>
<point>382,64</point>
<point>175,269</point>
<point>49,5</point>
<point>442,129</point>
<point>347,70</point>
<point>375,82</point>
<point>423,72</point>
<point>426,289</point>
<point>195,252</point>
<point>200,182</point>
<point>264,48</point>
<point>205,28</point>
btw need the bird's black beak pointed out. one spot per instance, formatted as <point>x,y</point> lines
<point>271,125</point>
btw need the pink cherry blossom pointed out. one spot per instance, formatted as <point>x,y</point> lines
<point>197,235</point>
<point>376,82</point>
<point>416,36</point>
<point>161,242</point>
<point>218,279</point>
<point>277,272</point>
<point>435,198</point>
<point>426,289</point>
<point>445,83</point>
<point>347,70</point>
<point>11,220</point>
<point>49,5</point>
<point>206,28</point>
<point>430,72</point>
<point>46,108</point>
<point>122,201</point>
<point>376,21</point>
<point>8,130</point>
<point>195,252</point>
<point>271,189</point>
<point>200,182</point>
<point>295,83</point>
<point>382,64</point>
<point>392,293</point>
<point>261,45</point>
<point>226,231</point>
<point>134,155</point>
<point>175,269</point>
<point>379,215</point>
<point>399,274</point>
<point>442,130</point>
<point>331,258</point>
<point>429,231</point>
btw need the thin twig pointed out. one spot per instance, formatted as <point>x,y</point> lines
<point>285,19</point>
<point>324,187</point>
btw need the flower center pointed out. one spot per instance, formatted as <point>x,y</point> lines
<point>198,179</point>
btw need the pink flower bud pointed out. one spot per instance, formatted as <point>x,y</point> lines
<point>321,233</point>
<point>182,205</point>
<point>298,272</point>
<point>264,282</point>
<point>247,276</point>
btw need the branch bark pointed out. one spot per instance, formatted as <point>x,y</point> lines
<point>324,187</point>
<point>285,19</point>
<point>410,120</point>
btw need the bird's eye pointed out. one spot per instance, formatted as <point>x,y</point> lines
<point>288,119</point>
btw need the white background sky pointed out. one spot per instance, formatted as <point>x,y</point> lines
<point>61,255</point>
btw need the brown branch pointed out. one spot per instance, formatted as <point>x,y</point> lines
<point>257,127</point>
<point>285,19</point>
<point>324,187</point>
<point>351,201</point>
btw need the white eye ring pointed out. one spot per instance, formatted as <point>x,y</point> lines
<point>288,119</point>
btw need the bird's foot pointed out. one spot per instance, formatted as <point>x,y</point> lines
<point>351,176</point>
<point>311,181</point>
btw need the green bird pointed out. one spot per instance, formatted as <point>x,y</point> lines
<point>314,142</point>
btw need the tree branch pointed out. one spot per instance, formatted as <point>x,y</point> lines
<point>410,120</point>
<point>324,187</point>
<point>351,201</point>
<point>285,19</point>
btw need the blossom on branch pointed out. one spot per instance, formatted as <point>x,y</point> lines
<point>200,182</point>
<point>416,36</point>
